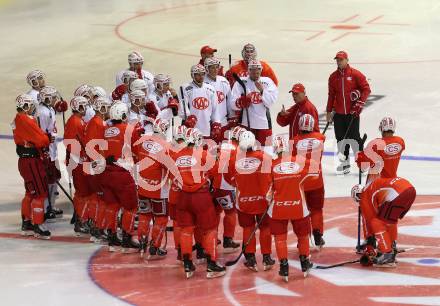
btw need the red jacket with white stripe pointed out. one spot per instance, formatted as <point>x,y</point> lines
<point>294,113</point>
<point>340,84</point>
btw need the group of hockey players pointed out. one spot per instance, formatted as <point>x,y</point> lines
<point>145,154</point>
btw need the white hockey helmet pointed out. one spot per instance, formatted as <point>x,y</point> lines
<point>161,126</point>
<point>249,52</point>
<point>211,61</point>
<point>135,57</point>
<point>83,91</point>
<point>179,132</point>
<point>160,79</point>
<point>280,144</point>
<point>306,123</point>
<point>137,98</point>
<point>77,102</point>
<point>129,75</point>
<point>33,76</point>
<point>101,102</point>
<point>25,102</point>
<point>254,64</point>
<point>197,69</point>
<point>247,140</point>
<point>236,132</point>
<point>97,92</point>
<point>387,124</point>
<point>119,111</point>
<point>48,95</point>
<point>193,136</point>
<point>138,84</point>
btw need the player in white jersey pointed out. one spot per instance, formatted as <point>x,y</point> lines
<point>135,62</point>
<point>85,91</point>
<point>46,118</point>
<point>200,103</point>
<point>37,80</point>
<point>165,97</point>
<point>261,94</point>
<point>223,90</point>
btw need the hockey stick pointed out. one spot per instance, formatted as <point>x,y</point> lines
<point>230,60</point>
<point>358,246</point>
<point>243,248</point>
<point>325,128</point>
<point>65,192</point>
<point>354,261</point>
<point>240,81</point>
<point>183,101</point>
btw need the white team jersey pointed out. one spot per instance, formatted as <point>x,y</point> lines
<point>47,120</point>
<point>34,94</point>
<point>90,113</point>
<point>223,90</point>
<point>146,76</point>
<point>202,103</point>
<point>259,114</point>
<point>161,102</point>
<point>134,118</point>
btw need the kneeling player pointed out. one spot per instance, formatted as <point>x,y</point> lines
<point>383,202</point>
<point>289,174</point>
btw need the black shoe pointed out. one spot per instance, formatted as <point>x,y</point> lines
<point>41,232</point>
<point>156,253</point>
<point>80,228</point>
<point>188,266</point>
<point>385,260</point>
<point>200,253</point>
<point>284,269</point>
<point>251,262</point>
<point>113,242</point>
<point>317,237</point>
<point>229,245</point>
<point>213,270</point>
<point>128,245</point>
<point>27,229</point>
<point>370,242</point>
<point>58,212</point>
<point>268,262</point>
<point>50,216</point>
<point>306,265</point>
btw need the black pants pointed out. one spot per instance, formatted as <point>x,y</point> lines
<point>353,138</point>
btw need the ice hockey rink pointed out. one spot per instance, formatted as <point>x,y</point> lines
<point>394,43</point>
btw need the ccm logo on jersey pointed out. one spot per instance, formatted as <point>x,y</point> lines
<point>393,149</point>
<point>251,198</point>
<point>112,132</point>
<point>200,103</point>
<point>248,163</point>
<point>286,203</point>
<point>308,144</point>
<point>152,147</point>
<point>286,168</point>
<point>185,161</point>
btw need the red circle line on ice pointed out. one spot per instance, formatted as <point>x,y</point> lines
<point>135,281</point>
<point>118,32</point>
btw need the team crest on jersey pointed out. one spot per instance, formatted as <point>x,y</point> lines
<point>200,103</point>
<point>186,161</point>
<point>152,147</point>
<point>286,168</point>
<point>308,144</point>
<point>247,163</point>
<point>220,97</point>
<point>112,132</point>
<point>255,97</point>
<point>393,148</point>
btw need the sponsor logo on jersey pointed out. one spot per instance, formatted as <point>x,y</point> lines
<point>112,132</point>
<point>256,97</point>
<point>247,163</point>
<point>286,203</point>
<point>200,103</point>
<point>220,96</point>
<point>152,147</point>
<point>252,198</point>
<point>308,144</point>
<point>286,168</point>
<point>186,161</point>
<point>393,148</point>
<point>349,78</point>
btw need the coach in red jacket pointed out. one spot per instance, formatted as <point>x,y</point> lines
<point>348,90</point>
<point>302,106</point>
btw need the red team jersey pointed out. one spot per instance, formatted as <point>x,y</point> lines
<point>253,181</point>
<point>310,146</point>
<point>74,131</point>
<point>289,176</point>
<point>27,132</point>
<point>223,172</point>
